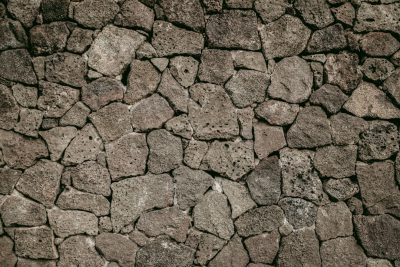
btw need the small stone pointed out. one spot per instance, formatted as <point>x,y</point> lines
<point>189,13</point>
<point>378,18</point>
<point>134,195</point>
<point>72,222</point>
<point>26,96</point>
<point>238,196</point>
<point>344,13</point>
<point>209,245</point>
<point>101,92</point>
<point>391,85</point>
<point>49,123</point>
<point>24,11</point>
<point>291,80</point>
<point>270,10</point>
<point>95,13</point>
<point>35,243</point>
<point>216,66</point>
<point>315,12</point>
<point>7,256</point>
<point>239,4</point>
<point>267,139</point>
<point>318,70</point>
<point>190,186</point>
<point>8,178</point>
<point>135,14</point>
<point>212,6</point>
<point>184,69</point>
<point>29,122</point>
<point>371,262</point>
<point>9,109</point>
<point>177,95</point>
<point>336,161</point>
<point>342,70</point>
<point>79,250</point>
<point>273,35</point>
<point>22,211</point>
<point>66,68</point>
<point>16,65</point>
<point>72,199</point>
<point>53,10</point>
<point>341,189</point>
<point>264,247</point>
<point>146,51</point>
<point>113,49</point>
<point>12,34</point>
<point>334,220</point>
<point>342,251</point>
<point>230,159</point>
<point>117,248</point>
<point>346,128</point>
<point>164,252</point>
<point>327,39</point>
<point>169,221</point>
<point>247,87</point>
<point>39,67</point>
<point>41,182</point>
<point>143,80</point>
<point>211,113</point>
<point>245,118</point>
<point>161,63</point>
<point>277,112</point>
<point>76,115</point>
<point>194,153</point>
<point>180,126</point>
<point>233,29</point>
<point>105,224</point>
<point>249,60</point>
<point>170,40</point>
<point>299,248</point>
<point>379,44</point>
<point>330,97</point>
<point>233,254</point>
<point>49,38</point>
<point>259,220</point>
<point>311,129</point>
<point>138,237</point>
<point>379,235</point>
<point>355,206</point>
<point>79,40</point>
<point>85,146</point>
<point>212,214</point>
<point>299,212</point>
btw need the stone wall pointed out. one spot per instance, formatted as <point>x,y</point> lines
<point>163,133</point>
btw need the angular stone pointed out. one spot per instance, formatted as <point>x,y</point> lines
<point>291,80</point>
<point>57,140</point>
<point>180,125</point>
<point>72,222</point>
<point>135,14</point>
<point>299,212</point>
<point>101,92</point>
<point>113,49</point>
<point>311,129</point>
<point>277,112</point>
<point>336,161</point>
<point>341,189</point>
<point>233,254</point>
<point>132,196</point>
<point>7,256</point>
<point>184,69</point>
<point>19,151</point>
<point>391,85</point>
<point>76,115</point>
<point>212,6</point>
<point>164,252</point>
<point>377,68</point>
<point>29,122</point>
<point>26,96</point>
<point>190,186</point>
<point>216,66</point>
<point>233,29</point>
<point>380,141</point>
<point>91,177</point>
<point>238,196</point>
<point>239,4</point>
<point>35,243</point>
<point>169,221</point>
<point>72,199</point>
<point>345,13</point>
<point>315,12</point>
<point>143,80</point>
<point>169,40</point>
<point>270,10</point>
<point>249,60</point>
<point>85,146</point>
<point>264,247</point>
<point>66,68</point>
<point>9,109</point>
<point>211,113</point>
<point>379,235</point>
<point>24,11</point>
<point>379,44</point>
<point>177,95</point>
<point>230,159</point>
<point>378,18</point>
<point>267,139</point>
<point>343,252</point>
<point>245,118</point>
<point>117,248</point>
<point>151,113</point>
<point>277,42</point>
<point>330,97</point>
<point>327,39</point>
<point>79,250</point>
<point>355,205</point>
<point>53,10</point>
<point>41,182</point>
<point>161,63</point>
<point>95,13</point>
<point>49,38</point>
<point>299,179</point>
<point>299,248</point>
<point>79,40</point>
<point>334,220</point>
<point>372,262</point>
<point>22,211</point>
<point>346,129</point>
<point>189,13</point>
<point>16,65</point>
<point>247,87</point>
<point>259,220</point>
<point>12,34</point>
<point>209,245</point>
<point>8,179</point>
<point>194,153</point>
<point>342,70</point>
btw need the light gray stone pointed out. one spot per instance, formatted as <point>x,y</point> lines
<point>65,223</point>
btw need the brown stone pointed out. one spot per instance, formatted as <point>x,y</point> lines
<point>299,213</point>
<point>233,254</point>
<point>238,196</point>
<point>7,256</point>
<point>16,65</point>
<point>189,13</point>
<point>315,12</point>
<point>117,248</point>
<point>264,247</point>
<point>29,122</point>
<point>341,189</point>
<point>57,140</point>
<point>216,66</point>
<point>267,139</point>
<point>95,13</point>
<point>334,220</point>
<point>378,17</point>
<point>346,128</point>
<point>134,14</point>
<point>330,97</point>
<point>343,252</point>
<point>12,34</point>
<point>277,112</point>
<point>26,96</point>
<point>49,38</point>
<point>184,69</point>
<point>176,94</point>
<point>35,243</point>
<point>101,92</point>
<point>9,109</point>
<point>79,40</point>
<point>8,179</point>
<point>327,39</point>
<point>336,161</point>
<point>66,68</point>
<point>65,223</point>
<point>379,44</point>
<point>76,116</point>
<point>53,10</point>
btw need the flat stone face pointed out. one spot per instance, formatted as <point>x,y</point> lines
<point>329,38</point>
<point>336,161</point>
<point>233,254</point>
<point>189,13</point>
<point>346,128</point>
<point>334,220</point>
<point>315,12</point>
<point>378,17</point>
<point>341,189</point>
<point>16,65</point>
<point>300,213</point>
<point>22,211</point>
<point>117,248</point>
<point>263,248</point>
<point>102,91</point>
<point>390,85</point>
<point>7,256</point>
<point>330,97</point>
<point>35,243</point>
<point>9,178</point>
<point>267,139</point>
<point>54,10</point>
<point>24,11</point>
<point>57,139</point>
<point>49,38</point>
<point>216,66</point>
<point>176,94</point>
<point>67,223</point>
<point>277,112</point>
<point>184,69</point>
<point>66,68</point>
<point>95,13</point>
<point>379,44</point>
<point>12,34</point>
<point>135,14</point>
<point>238,196</point>
<point>345,251</point>
<point>377,69</point>
<point>270,10</point>
<point>209,245</point>
<point>9,108</point>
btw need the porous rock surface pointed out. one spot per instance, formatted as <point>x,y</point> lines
<point>221,133</point>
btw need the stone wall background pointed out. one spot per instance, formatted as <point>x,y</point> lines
<point>199,133</point>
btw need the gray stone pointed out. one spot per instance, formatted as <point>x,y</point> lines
<point>344,13</point>
<point>391,85</point>
<point>194,153</point>
<point>26,96</point>
<point>378,17</point>
<point>343,252</point>
<point>25,11</point>
<point>341,189</point>
<point>267,139</point>
<point>333,220</point>
<point>12,34</point>
<point>327,39</point>
<point>117,248</point>
<point>238,196</point>
<point>315,12</point>
<point>249,60</point>
<point>264,247</point>
<point>336,161</point>
<point>270,10</point>
<point>57,139</point>
<point>66,68</point>
<point>180,126</point>
<point>377,69</point>
<point>101,92</point>
<point>16,65</point>
<point>189,13</point>
<point>135,14</point>
<point>346,129</point>
<point>139,238</point>
<point>9,109</point>
<point>76,115</point>
<point>379,44</point>
<point>239,4</point>
<point>65,223</point>
<point>330,97</point>
<point>8,178</point>
<point>245,119</point>
<point>22,211</point>
<point>79,40</point>
<point>277,112</point>
<point>176,94</point>
<point>29,122</point>
<point>184,69</point>
<point>216,66</point>
<point>95,13</point>
<point>49,38</point>
<point>7,256</point>
<point>209,245</point>
<point>299,212</point>
<point>371,262</point>
<point>232,255</point>
<point>212,6</point>
<point>53,10</point>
